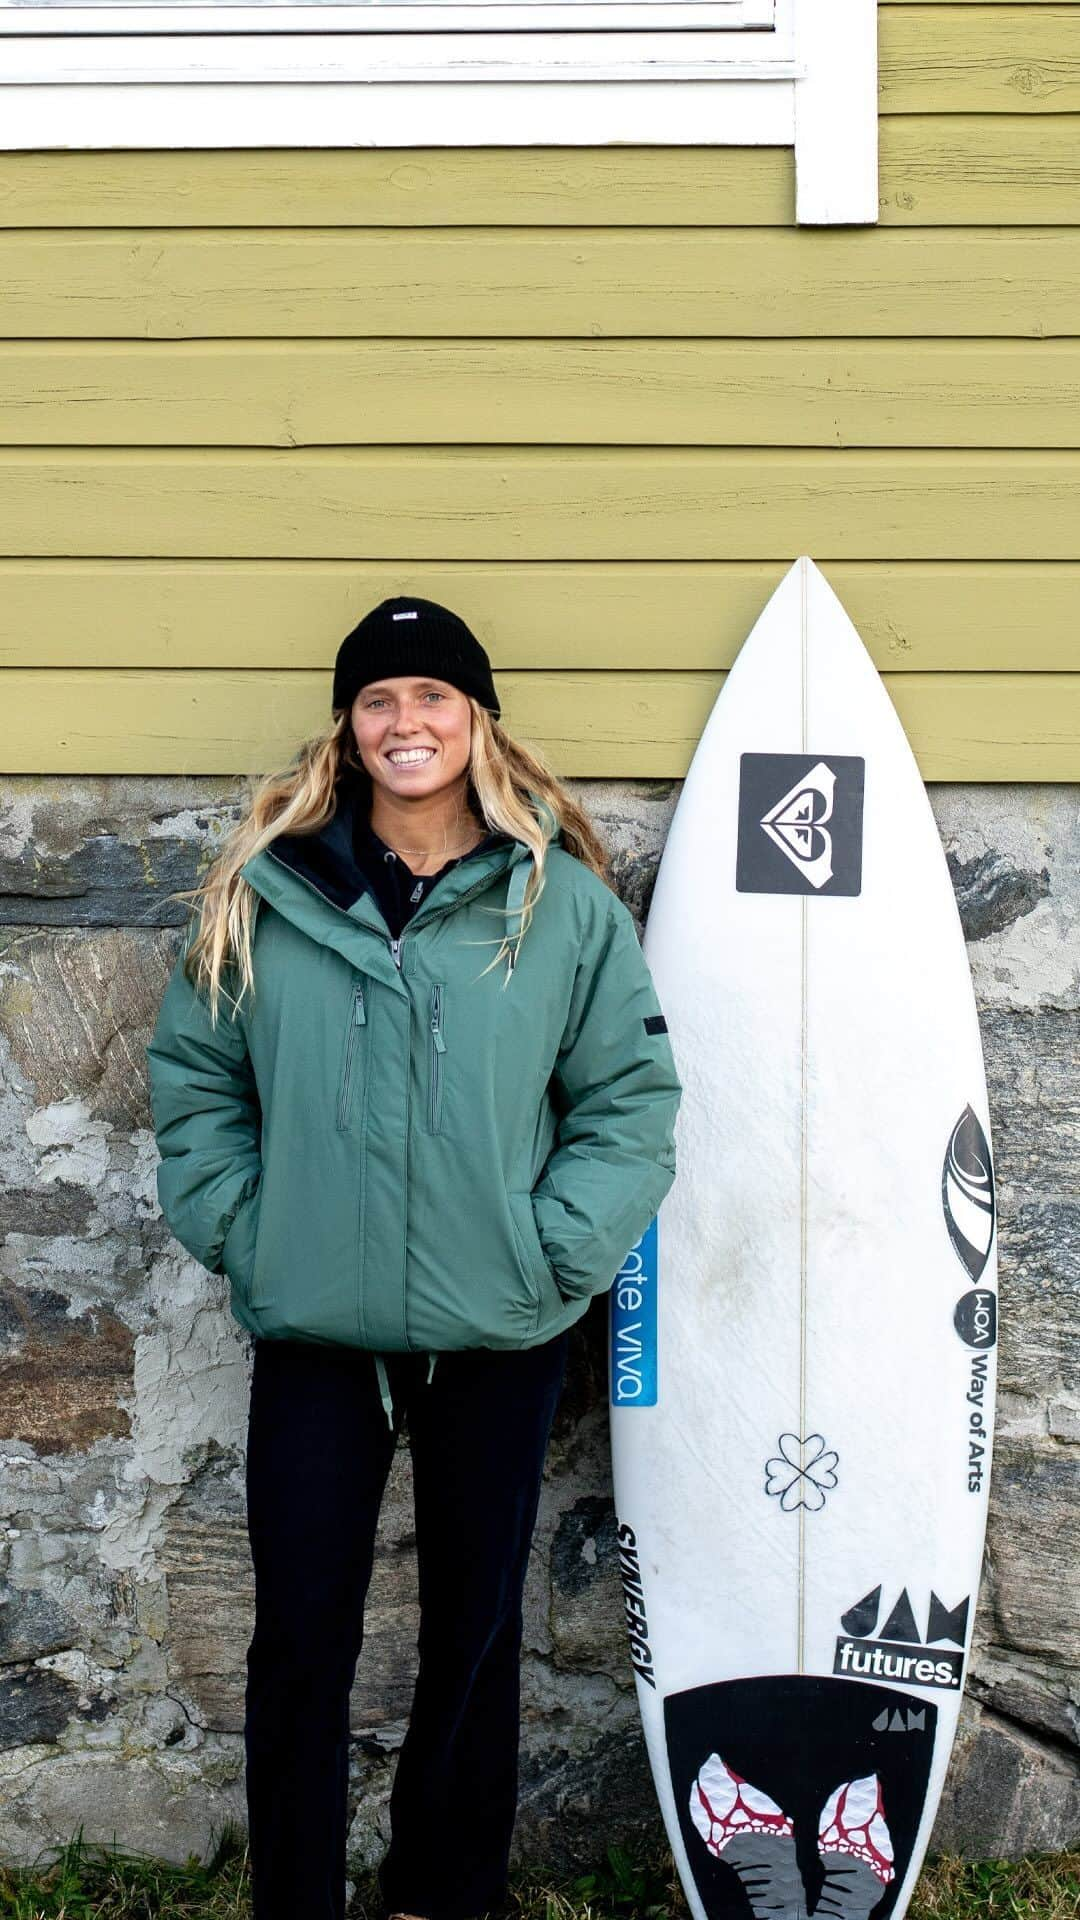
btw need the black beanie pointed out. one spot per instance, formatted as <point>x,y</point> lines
<point>407,635</point>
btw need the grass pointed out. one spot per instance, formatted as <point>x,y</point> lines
<point>84,1880</point>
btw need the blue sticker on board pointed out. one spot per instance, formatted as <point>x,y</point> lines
<point>633,1325</point>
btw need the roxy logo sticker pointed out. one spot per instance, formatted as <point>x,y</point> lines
<point>797,824</point>
<point>800,824</point>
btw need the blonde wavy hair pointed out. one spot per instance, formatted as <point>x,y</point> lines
<point>303,797</point>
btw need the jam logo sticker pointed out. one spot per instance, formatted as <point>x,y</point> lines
<point>967,1194</point>
<point>637,1624</point>
<point>800,824</point>
<point>794,1796</point>
<point>899,1652</point>
<point>633,1325</point>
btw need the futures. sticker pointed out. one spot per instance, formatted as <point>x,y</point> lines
<point>898,1650</point>
<point>800,824</point>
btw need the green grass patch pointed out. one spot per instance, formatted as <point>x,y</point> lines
<point>85,1880</point>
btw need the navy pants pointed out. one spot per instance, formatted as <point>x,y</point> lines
<point>319,1452</point>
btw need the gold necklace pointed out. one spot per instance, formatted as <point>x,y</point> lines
<point>424,854</point>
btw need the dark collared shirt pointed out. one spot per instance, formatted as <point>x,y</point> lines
<point>398,891</point>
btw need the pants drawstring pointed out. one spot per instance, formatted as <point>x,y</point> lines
<point>384,1390</point>
<point>384,1385</point>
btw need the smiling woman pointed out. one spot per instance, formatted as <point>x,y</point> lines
<point>414,738</point>
<point>416,1171</point>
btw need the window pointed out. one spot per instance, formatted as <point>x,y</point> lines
<point>400,73</point>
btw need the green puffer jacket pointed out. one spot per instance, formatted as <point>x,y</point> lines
<point>385,1150</point>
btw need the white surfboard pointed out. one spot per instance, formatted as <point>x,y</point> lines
<point>802,1344</point>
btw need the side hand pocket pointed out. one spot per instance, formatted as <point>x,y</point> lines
<point>238,1250</point>
<point>537,1265</point>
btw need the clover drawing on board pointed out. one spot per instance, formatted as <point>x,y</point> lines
<point>802,1473</point>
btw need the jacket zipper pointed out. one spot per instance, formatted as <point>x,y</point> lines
<point>438,1046</point>
<point>357,1018</point>
<point>394,945</point>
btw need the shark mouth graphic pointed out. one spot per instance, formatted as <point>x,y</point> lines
<point>749,1832</point>
<point>722,1805</point>
<point>796,824</point>
<point>746,1829</point>
<point>855,1848</point>
<point>805,1794</point>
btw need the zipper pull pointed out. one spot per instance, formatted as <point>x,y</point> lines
<point>436,1017</point>
<point>395,948</point>
<point>359,1015</point>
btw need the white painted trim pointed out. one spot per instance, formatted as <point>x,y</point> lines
<point>133,60</point>
<point>426,114</point>
<point>836,123</point>
<point>808,80</point>
<point>160,17</point>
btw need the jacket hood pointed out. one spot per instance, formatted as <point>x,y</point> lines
<point>294,867</point>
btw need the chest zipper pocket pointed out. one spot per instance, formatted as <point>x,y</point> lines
<point>357,1019</point>
<point>438,1048</point>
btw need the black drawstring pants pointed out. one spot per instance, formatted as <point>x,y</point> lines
<point>318,1456</point>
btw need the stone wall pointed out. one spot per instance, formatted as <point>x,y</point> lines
<point>125,1581</point>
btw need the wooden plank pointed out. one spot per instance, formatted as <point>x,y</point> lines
<point>1014,161</point>
<point>938,170</point>
<point>962,727</point>
<point>914,617</point>
<point>849,393</point>
<point>539,504</point>
<point>390,187</point>
<point>802,282</point>
<point>1015,59</point>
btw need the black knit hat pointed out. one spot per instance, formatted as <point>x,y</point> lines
<point>407,635</point>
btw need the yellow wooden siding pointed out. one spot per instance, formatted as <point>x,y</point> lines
<point>979,169</point>
<point>598,399</point>
<point>598,724</point>
<point>525,503</point>
<point>490,282</point>
<point>627,393</point>
<point>928,617</point>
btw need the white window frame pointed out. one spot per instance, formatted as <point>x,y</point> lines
<point>797,73</point>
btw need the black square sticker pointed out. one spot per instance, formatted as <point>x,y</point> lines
<point>800,823</point>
